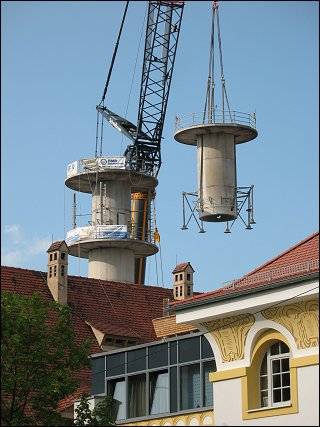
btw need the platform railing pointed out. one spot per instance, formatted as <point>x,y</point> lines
<point>100,164</point>
<point>217,117</point>
<point>105,231</point>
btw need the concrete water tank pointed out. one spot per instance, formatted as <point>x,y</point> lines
<point>216,160</point>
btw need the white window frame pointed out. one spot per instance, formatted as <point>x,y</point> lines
<point>269,375</point>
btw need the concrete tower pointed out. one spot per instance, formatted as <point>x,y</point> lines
<point>113,240</point>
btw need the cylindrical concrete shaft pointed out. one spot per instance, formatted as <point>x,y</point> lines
<point>216,177</point>
<point>114,264</point>
<point>111,203</point>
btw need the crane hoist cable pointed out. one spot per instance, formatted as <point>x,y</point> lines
<point>210,101</point>
<point>107,83</point>
<point>114,55</point>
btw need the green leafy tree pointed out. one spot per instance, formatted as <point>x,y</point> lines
<point>39,359</point>
<point>99,416</point>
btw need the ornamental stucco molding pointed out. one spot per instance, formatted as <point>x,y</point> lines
<point>230,334</point>
<point>301,319</point>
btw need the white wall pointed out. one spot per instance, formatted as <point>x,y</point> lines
<point>228,403</point>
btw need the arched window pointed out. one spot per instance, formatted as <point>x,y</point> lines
<point>275,375</point>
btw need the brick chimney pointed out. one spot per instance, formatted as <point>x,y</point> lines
<point>183,281</point>
<point>57,276</point>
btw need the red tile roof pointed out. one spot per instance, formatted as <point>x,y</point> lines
<point>116,307</point>
<point>55,245</point>
<point>181,267</point>
<point>115,328</point>
<point>299,260</point>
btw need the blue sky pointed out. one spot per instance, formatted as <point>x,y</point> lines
<point>54,61</point>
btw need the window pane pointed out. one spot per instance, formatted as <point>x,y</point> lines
<point>159,392</point>
<point>98,375</point>
<point>276,396</point>
<point>189,349</point>
<point>274,349</point>
<point>190,386</point>
<point>285,394</point>
<point>137,360</point>
<point>117,390</point>
<point>264,399</point>
<point>206,349</point>
<point>173,390</point>
<point>285,379</point>
<point>263,369</point>
<point>158,355</point>
<point>284,348</point>
<point>115,364</point>
<point>285,365</point>
<point>264,383</point>
<point>276,382</point>
<point>173,352</point>
<point>137,395</point>
<point>208,386</point>
<point>275,366</point>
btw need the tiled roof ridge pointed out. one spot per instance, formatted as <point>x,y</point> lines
<point>90,279</point>
<point>302,242</point>
<point>129,285</point>
<point>23,269</point>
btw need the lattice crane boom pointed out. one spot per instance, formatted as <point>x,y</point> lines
<point>162,34</point>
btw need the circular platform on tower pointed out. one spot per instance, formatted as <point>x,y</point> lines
<point>84,181</point>
<point>83,174</point>
<point>189,135</point>
<point>139,247</point>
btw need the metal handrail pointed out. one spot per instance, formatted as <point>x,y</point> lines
<point>270,275</point>
<point>217,117</point>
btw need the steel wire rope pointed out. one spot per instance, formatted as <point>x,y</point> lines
<point>156,263</point>
<point>114,55</point>
<point>212,106</point>
<point>156,230</point>
<point>109,73</point>
<point>115,312</point>
<point>210,82</point>
<point>204,333</point>
<point>78,240</point>
<point>64,210</point>
<point>160,254</point>
<point>134,72</point>
<point>224,90</point>
<point>101,137</point>
<point>97,134</point>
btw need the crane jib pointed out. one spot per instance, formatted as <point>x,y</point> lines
<point>122,125</point>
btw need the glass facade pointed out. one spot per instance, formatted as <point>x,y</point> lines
<point>156,379</point>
